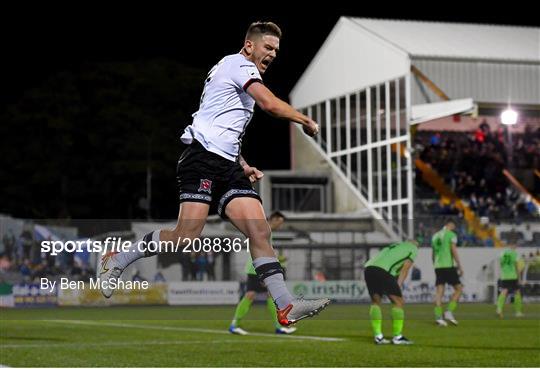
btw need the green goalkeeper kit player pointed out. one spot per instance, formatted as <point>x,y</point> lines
<point>254,286</point>
<point>448,270</point>
<point>511,267</point>
<point>384,275</point>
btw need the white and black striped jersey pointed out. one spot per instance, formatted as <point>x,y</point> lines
<point>226,108</point>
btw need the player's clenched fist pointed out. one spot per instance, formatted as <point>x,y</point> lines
<point>311,129</point>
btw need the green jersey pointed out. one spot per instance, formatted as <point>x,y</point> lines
<point>442,248</point>
<point>392,257</point>
<point>509,265</point>
<point>250,269</point>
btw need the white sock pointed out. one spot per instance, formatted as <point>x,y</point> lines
<point>123,259</point>
<point>275,283</point>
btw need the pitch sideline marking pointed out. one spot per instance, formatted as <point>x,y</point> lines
<point>99,344</point>
<point>194,330</point>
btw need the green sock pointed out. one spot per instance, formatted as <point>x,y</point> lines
<point>241,310</point>
<point>273,313</point>
<point>517,302</point>
<point>438,312</point>
<point>500,302</point>
<point>375,314</point>
<point>452,305</point>
<point>398,316</point>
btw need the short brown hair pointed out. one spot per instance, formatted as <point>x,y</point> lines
<point>257,29</point>
<point>276,214</point>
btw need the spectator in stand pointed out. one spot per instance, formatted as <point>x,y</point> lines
<point>528,136</point>
<point>49,257</point>
<point>27,240</point>
<point>76,270</point>
<point>482,207</point>
<point>201,265</point>
<point>470,186</point>
<point>423,235</point>
<point>159,278</point>
<point>499,144</point>
<point>185,263</point>
<point>481,189</point>
<point>484,127</point>
<point>137,277</point>
<point>473,169</point>
<point>9,244</point>
<point>5,263</point>
<point>435,139</point>
<point>26,270</point>
<point>41,270</point>
<point>479,137</point>
<point>210,266</point>
<point>193,266</point>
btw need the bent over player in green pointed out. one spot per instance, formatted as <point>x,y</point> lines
<point>447,271</point>
<point>510,280</point>
<point>384,275</point>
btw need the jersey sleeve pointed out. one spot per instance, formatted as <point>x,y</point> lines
<point>414,253</point>
<point>520,264</point>
<point>411,251</point>
<point>249,268</point>
<point>453,238</point>
<point>243,74</point>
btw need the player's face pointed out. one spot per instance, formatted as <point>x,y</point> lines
<point>276,223</point>
<point>264,51</point>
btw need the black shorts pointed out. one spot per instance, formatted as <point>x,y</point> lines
<point>447,276</point>
<point>206,177</point>
<point>380,282</point>
<point>254,284</point>
<point>511,285</point>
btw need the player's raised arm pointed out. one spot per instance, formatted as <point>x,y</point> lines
<point>278,108</point>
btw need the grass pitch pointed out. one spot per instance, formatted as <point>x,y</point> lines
<point>197,336</point>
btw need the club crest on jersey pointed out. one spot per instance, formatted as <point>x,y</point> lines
<point>205,186</point>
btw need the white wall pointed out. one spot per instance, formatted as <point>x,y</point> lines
<point>488,82</point>
<point>350,59</point>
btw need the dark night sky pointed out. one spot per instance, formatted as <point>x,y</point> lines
<point>41,44</point>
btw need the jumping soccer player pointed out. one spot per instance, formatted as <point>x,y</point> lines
<point>447,271</point>
<point>255,286</point>
<point>212,175</point>
<point>510,280</point>
<point>384,275</point>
